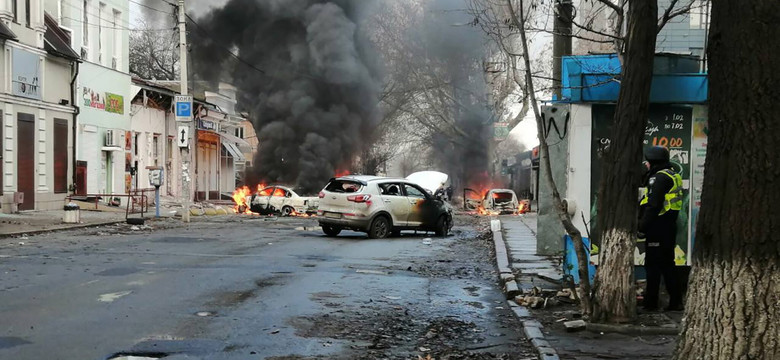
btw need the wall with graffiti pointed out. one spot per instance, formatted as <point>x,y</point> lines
<point>674,127</point>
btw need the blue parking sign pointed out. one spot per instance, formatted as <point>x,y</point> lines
<point>183,107</point>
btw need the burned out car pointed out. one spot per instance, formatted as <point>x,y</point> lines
<point>500,201</point>
<point>381,207</point>
<point>281,200</point>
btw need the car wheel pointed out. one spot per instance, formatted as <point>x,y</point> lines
<point>380,228</point>
<point>331,230</point>
<point>442,226</point>
<point>287,211</point>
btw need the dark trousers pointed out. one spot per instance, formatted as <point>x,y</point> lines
<point>659,261</point>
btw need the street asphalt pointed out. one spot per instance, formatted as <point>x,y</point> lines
<point>235,287</point>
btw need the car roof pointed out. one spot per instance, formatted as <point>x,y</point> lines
<point>369,178</point>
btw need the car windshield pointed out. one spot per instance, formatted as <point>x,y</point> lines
<point>344,186</point>
<point>502,197</point>
<point>266,191</point>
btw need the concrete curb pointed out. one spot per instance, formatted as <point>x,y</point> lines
<point>61,228</point>
<point>531,327</point>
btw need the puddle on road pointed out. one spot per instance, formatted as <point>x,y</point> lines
<point>9,342</point>
<point>118,271</point>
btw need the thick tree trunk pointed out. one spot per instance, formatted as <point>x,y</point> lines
<point>614,292</point>
<point>733,305</point>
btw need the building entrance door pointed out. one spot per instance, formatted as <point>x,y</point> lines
<point>25,159</point>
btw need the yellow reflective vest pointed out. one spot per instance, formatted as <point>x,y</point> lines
<point>673,199</point>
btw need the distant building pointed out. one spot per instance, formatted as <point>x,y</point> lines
<point>37,101</point>
<point>685,34</point>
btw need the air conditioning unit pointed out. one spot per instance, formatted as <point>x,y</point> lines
<point>84,52</point>
<point>111,140</point>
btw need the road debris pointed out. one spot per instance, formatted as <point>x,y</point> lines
<point>372,272</point>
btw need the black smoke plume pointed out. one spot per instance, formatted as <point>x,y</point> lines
<point>316,96</point>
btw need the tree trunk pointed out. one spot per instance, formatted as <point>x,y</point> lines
<point>544,159</point>
<point>615,296</point>
<point>733,305</point>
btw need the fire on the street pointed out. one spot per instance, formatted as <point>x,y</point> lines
<point>239,198</point>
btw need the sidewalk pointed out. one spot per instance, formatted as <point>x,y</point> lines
<point>42,221</point>
<point>543,272</point>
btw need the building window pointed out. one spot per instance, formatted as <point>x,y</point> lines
<point>15,9</point>
<point>116,62</point>
<point>101,55</point>
<point>240,132</point>
<point>700,14</point>
<point>85,24</point>
<point>135,144</point>
<point>156,149</point>
<point>27,12</point>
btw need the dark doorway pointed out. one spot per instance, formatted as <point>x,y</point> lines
<point>81,178</point>
<point>25,159</point>
<point>60,156</point>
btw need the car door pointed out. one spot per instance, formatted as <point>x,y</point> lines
<point>418,213</point>
<point>395,202</point>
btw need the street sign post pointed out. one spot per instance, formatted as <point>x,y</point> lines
<point>183,136</point>
<point>183,107</point>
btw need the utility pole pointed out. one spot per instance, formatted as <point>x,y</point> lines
<point>185,151</point>
<point>561,41</point>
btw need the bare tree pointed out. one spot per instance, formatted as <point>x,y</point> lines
<point>733,304</point>
<point>154,54</point>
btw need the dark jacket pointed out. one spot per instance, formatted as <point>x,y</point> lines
<point>650,223</point>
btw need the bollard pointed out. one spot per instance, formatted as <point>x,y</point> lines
<point>72,214</point>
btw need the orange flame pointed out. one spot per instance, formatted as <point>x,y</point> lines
<point>239,197</point>
<point>340,173</point>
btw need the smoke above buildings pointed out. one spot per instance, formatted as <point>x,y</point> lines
<point>311,81</point>
<point>316,96</point>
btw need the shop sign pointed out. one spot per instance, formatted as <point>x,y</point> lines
<point>109,102</point>
<point>115,103</point>
<point>207,125</point>
<point>26,71</point>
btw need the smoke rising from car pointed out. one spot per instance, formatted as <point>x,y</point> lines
<point>316,98</point>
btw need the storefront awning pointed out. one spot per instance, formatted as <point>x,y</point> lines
<point>234,152</point>
<point>240,143</point>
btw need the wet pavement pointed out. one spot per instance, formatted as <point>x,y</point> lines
<point>247,288</point>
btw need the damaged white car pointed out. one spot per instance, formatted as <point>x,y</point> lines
<point>281,200</point>
<point>501,201</point>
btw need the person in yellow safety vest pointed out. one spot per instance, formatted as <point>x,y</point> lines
<point>659,207</point>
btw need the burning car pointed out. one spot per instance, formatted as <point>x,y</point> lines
<point>500,201</point>
<point>281,200</point>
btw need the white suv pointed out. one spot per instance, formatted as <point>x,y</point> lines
<point>381,206</point>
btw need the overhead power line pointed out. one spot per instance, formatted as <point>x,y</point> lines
<point>205,33</point>
<point>151,8</point>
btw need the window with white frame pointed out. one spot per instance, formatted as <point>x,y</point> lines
<point>116,61</point>
<point>85,30</point>
<point>700,14</point>
<point>101,31</point>
<point>239,132</point>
